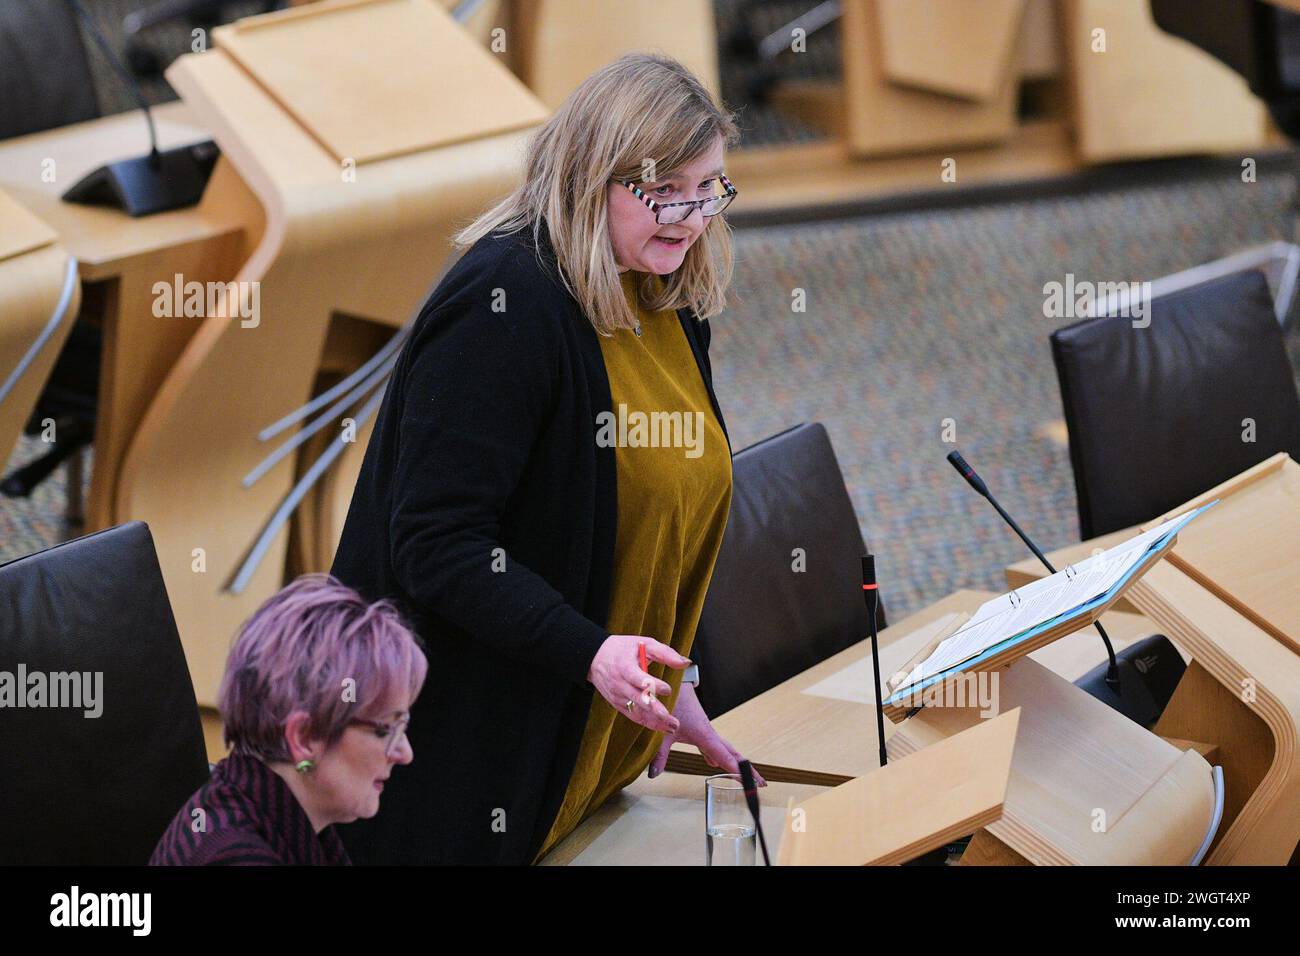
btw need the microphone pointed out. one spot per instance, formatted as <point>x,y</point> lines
<point>871,594</point>
<point>751,798</point>
<point>161,180</point>
<point>974,480</point>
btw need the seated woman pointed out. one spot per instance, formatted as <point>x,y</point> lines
<point>315,703</point>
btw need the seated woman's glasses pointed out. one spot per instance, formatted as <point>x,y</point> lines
<point>390,734</point>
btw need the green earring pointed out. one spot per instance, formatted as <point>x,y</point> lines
<point>305,766</point>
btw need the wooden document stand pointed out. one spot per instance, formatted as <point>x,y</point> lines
<point>1009,655</point>
<point>918,803</point>
<point>357,160</point>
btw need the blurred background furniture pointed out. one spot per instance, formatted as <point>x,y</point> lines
<point>39,295</point>
<point>83,784</point>
<point>362,174</point>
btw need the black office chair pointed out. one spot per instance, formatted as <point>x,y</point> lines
<point>763,621</point>
<point>1157,415</point>
<point>44,71</point>
<point>79,790</point>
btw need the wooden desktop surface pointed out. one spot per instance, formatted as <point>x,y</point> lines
<point>104,240</point>
<point>787,726</point>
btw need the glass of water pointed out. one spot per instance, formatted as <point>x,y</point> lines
<point>728,826</point>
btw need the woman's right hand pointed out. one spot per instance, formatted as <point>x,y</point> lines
<point>616,674</point>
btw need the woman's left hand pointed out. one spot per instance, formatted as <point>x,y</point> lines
<point>696,729</point>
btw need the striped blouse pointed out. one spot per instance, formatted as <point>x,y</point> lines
<point>245,815</point>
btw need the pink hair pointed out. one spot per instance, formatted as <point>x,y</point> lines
<point>316,646</point>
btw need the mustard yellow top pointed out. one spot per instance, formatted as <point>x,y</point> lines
<point>674,492</point>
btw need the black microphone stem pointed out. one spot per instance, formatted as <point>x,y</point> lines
<point>123,74</point>
<point>871,594</point>
<point>958,462</point>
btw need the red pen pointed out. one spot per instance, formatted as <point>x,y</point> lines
<point>641,658</point>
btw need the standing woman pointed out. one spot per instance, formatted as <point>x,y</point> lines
<point>548,481</point>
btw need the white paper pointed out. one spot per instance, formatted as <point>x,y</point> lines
<point>1043,600</point>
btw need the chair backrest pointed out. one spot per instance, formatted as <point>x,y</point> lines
<point>44,71</point>
<point>87,625</point>
<point>786,591</point>
<point>1158,415</point>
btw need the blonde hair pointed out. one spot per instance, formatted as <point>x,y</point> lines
<point>638,110</point>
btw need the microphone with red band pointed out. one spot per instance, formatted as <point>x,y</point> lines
<point>871,594</point>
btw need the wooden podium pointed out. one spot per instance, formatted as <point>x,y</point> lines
<point>1086,786</point>
<point>350,136</point>
<point>1228,597</point>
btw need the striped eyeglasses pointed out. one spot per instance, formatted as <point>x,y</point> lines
<point>667,213</point>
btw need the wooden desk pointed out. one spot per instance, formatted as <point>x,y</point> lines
<point>660,822</point>
<point>1229,651</point>
<point>122,258</point>
<point>1141,780</point>
<point>1073,756</point>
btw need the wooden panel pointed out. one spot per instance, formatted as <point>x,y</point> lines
<point>883,118</point>
<point>1150,94</point>
<point>824,174</point>
<point>408,55</point>
<point>565,41</point>
<point>985,849</point>
<point>915,804</point>
<point>1079,766</point>
<point>1243,693</point>
<point>957,47</point>
<point>30,287</point>
<point>1246,549</point>
<point>1039,51</point>
<point>20,231</point>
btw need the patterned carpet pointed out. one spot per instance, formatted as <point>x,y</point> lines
<point>912,319</point>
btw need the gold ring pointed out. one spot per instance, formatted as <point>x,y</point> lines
<point>631,705</point>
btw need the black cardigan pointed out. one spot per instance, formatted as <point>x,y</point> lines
<point>486,441</point>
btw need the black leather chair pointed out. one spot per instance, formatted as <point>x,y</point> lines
<point>44,71</point>
<point>763,622</point>
<point>1157,415</point>
<point>94,790</point>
